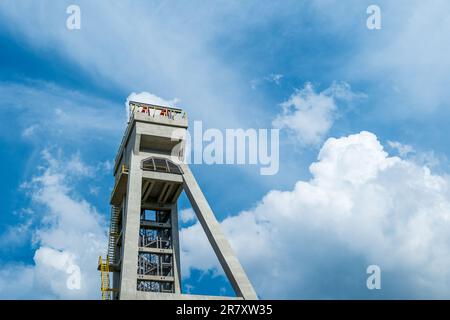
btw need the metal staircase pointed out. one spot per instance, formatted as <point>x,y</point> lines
<point>145,266</point>
<point>104,264</point>
<point>113,234</point>
<point>104,270</point>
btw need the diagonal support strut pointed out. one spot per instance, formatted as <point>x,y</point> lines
<point>228,260</point>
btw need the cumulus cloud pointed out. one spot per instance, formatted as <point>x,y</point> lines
<point>402,149</point>
<point>196,252</point>
<point>309,115</point>
<point>360,207</point>
<point>187,215</point>
<point>68,239</point>
<point>425,157</point>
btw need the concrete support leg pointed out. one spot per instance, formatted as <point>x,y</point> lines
<point>131,233</point>
<point>176,249</point>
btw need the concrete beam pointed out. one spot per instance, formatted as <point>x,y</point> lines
<point>155,278</point>
<point>168,191</point>
<point>147,193</point>
<point>155,250</point>
<point>177,194</point>
<point>163,192</point>
<point>153,224</point>
<point>162,176</point>
<point>150,205</point>
<point>141,295</point>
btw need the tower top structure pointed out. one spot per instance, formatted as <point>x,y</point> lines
<point>143,249</point>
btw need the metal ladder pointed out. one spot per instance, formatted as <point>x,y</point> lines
<point>110,255</point>
<point>113,234</point>
<point>104,270</point>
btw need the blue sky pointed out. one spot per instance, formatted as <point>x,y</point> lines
<point>347,203</point>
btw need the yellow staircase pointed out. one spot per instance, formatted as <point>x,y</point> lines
<point>104,270</point>
<point>104,264</point>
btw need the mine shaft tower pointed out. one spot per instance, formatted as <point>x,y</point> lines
<point>143,250</point>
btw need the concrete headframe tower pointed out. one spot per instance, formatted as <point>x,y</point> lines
<point>143,250</point>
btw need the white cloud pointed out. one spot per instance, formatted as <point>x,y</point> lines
<point>15,235</point>
<point>360,207</point>
<point>17,282</point>
<point>196,252</point>
<point>106,166</point>
<point>70,234</point>
<point>78,167</point>
<point>276,78</point>
<point>402,60</point>
<point>424,157</point>
<point>29,131</point>
<point>187,215</point>
<point>416,62</point>
<point>271,78</point>
<point>310,115</point>
<point>44,111</point>
<point>149,98</point>
<point>403,149</point>
<point>166,48</point>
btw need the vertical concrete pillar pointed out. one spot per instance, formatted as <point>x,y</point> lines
<point>176,248</point>
<point>131,231</point>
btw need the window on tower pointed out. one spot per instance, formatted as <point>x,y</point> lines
<point>160,165</point>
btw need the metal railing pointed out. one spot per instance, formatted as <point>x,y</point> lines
<point>155,242</point>
<point>104,274</point>
<point>154,110</point>
<point>113,234</point>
